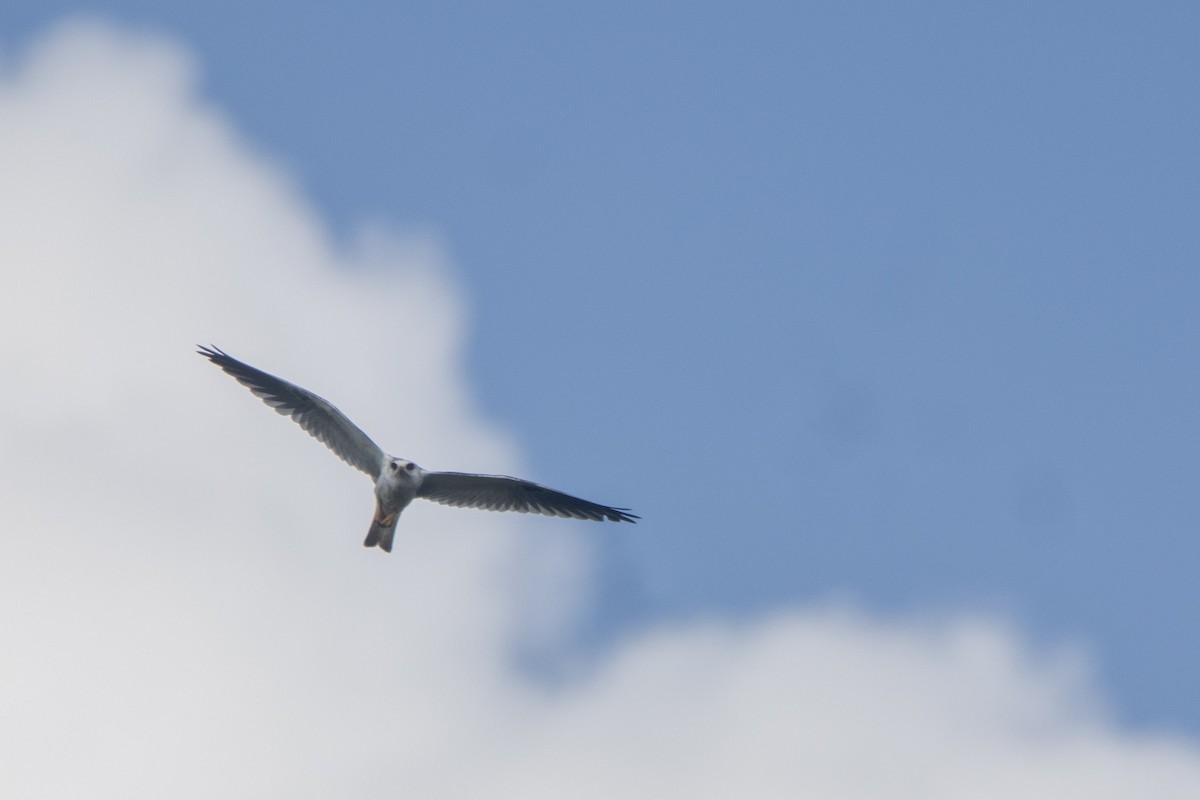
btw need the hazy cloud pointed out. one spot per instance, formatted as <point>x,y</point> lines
<point>185,606</point>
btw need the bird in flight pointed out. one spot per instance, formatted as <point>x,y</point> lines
<point>397,480</point>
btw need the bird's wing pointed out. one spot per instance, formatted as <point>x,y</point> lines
<point>501,493</point>
<point>316,415</point>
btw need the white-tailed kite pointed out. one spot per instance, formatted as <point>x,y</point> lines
<point>399,481</point>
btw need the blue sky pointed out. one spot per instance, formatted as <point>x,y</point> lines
<point>893,304</point>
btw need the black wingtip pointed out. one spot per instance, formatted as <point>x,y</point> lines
<point>244,374</point>
<point>212,352</point>
<point>612,513</point>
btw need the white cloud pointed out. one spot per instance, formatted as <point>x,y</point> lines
<point>185,606</point>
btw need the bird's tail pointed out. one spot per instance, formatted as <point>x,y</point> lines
<point>383,528</point>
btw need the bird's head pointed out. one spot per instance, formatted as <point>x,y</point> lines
<point>400,470</point>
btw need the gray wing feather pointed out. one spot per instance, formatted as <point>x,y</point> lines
<point>501,493</point>
<point>316,415</point>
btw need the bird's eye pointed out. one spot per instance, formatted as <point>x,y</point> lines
<point>409,466</point>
